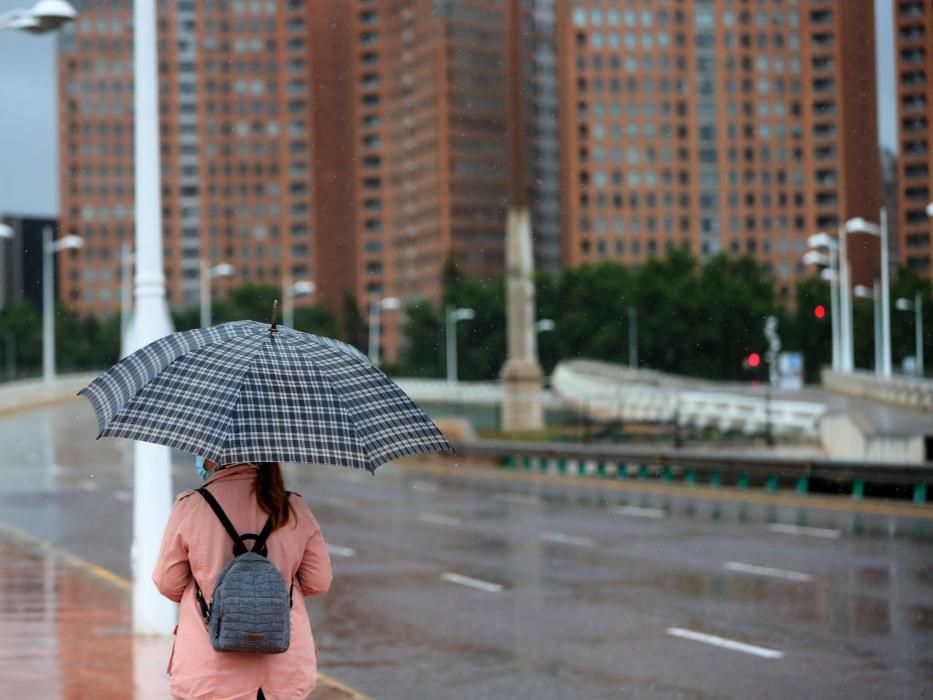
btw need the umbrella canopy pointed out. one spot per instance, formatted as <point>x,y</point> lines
<point>245,392</point>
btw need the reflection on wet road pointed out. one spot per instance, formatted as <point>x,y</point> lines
<point>454,585</point>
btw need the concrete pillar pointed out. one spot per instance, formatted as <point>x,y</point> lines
<point>521,374</point>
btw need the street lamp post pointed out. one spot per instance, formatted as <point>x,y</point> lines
<point>830,262</point>
<point>126,296</point>
<point>209,273</point>
<point>152,474</point>
<point>863,292</point>
<point>917,306</point>
<point>290,290</point>
<point>375,311</point>
<point>453,315</point>
<point>860,225</point>
<point>49,248</point>
<point>6,232</point>
<point>45,16</point>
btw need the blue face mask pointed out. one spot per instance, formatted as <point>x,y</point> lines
<point>203,472</point>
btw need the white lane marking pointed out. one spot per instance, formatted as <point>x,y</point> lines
<point>339,502</point>
<point>560,538</point>
<point>766,571</point>
<point>640,512</point>
<point>517,497</point>
<point>438,519</point>
<point>724,643</point>
<point>801,530</point>
<point>472,582</point>
<point>340,551</point>
<point>122,495</point>
<point>424,486</point>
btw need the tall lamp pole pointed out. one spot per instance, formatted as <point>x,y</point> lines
<point>917,307</point>
<point>829,260</point>
<point>375,312</point>
<point>208,274</point>
<point>152,474</point>
<point>290,290</point>
<point>860,225</point>
<point>50,247</point>
<point>453,316</point>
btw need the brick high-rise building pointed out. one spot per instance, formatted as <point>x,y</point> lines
<point>236,148</point>
<point>357,144</point>
<point>717,125</point>
<point>913,30</point>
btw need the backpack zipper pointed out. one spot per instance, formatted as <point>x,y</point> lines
<point>219,620</point>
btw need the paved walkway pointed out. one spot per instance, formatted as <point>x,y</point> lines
<point>64,631</point>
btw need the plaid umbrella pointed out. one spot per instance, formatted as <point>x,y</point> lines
<point>243,392</point>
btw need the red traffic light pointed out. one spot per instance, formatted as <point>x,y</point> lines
<point>819,311</point>
<point>754,360</point>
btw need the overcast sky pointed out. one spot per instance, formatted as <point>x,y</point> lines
<point>28,173</point>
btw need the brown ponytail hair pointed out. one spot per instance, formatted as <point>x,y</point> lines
<point>269,488</point>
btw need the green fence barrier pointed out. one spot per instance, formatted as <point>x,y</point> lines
<point>771,483</point>
<point>802,486</point>
<point>716,480</point>
<point>601,469</point>
<point>667,476</point>
<point>581,468</point>
<point>690,478</point>
<point>644,472</point>
<point>858,490</point>
<point>528,463</point>
<point>510,462</point>
<point>562,466</point>
<point>920,493</point>
<point>742,482</point>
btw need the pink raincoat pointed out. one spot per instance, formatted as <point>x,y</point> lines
<point>196,546</point>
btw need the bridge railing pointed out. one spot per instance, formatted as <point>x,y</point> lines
<point>740,468</point>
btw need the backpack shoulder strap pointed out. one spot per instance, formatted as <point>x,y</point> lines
<point>238,546</point>
<point>259,545</point>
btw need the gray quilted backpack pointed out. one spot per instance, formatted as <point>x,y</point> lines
<point>251,607</point>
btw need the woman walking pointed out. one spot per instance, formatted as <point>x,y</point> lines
<point>196,547</point>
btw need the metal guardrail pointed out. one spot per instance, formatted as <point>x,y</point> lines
<point>667,464</point>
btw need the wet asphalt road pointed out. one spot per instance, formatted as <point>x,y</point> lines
<point>453,586</point>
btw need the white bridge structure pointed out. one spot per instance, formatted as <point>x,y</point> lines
<point>608,392</point>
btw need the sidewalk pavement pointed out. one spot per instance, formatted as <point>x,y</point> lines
<point>65,631</point>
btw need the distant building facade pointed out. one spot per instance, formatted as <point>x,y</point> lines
<point>717,125</point>
<point>913,38</point>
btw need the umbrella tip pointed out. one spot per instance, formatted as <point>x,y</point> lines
<point>275,308</point>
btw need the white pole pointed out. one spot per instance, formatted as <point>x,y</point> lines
<point>48,306</point>
<point>374,310</point>
<point>835,321</point>
<point>288,302</point>
<point>152,476</point>
<point>918,329</point>
<point>632,337</point>
<point>885,300</point>
<point>451,346</point>
<point>126,296</point>
<point>845,296</point>
<point>205,294</point>
<point>879,344</point>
